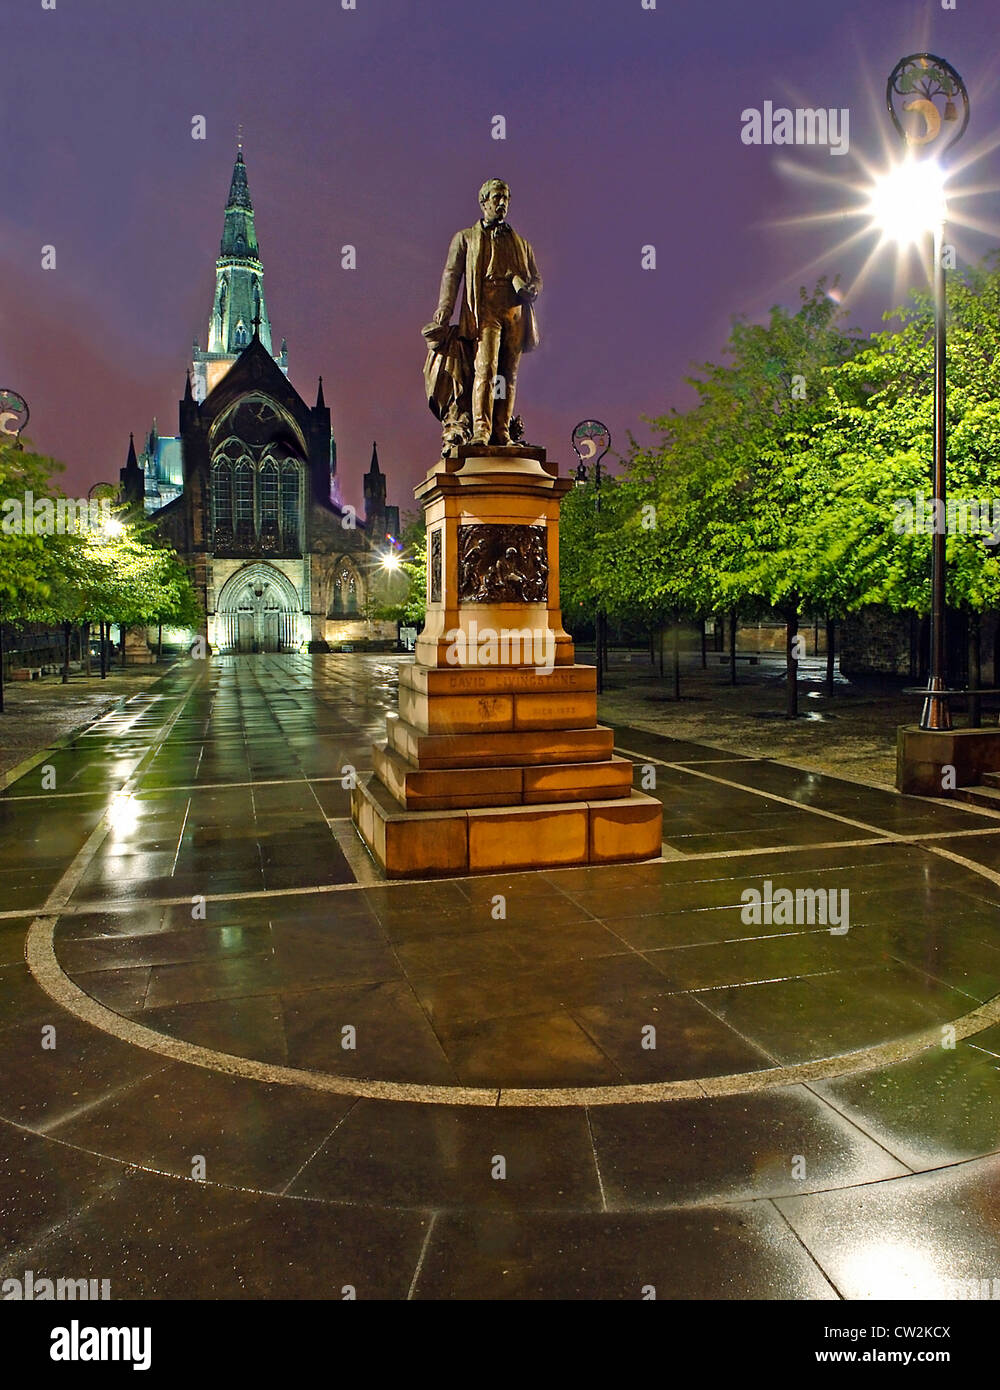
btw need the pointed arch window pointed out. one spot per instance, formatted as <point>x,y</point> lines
<point>222,501</point>
<point>244,501</point>
<point>268,492</point>
<point>291,503</point>
<point>345,592</point>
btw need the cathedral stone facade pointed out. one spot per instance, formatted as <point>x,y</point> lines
<point>245,491</point>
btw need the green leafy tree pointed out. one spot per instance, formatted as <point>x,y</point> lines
<point>411,610</point>
<point>710,506</point>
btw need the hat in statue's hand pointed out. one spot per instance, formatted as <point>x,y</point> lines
<point>435,333</point>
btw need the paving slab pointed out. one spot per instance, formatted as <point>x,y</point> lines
<point>443,1090</point>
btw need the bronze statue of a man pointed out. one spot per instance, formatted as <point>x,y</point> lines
<point>471,368</point>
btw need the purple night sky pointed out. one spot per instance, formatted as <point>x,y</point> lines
<point>372,126</point>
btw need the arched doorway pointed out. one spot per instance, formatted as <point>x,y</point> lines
<point>258,611</point>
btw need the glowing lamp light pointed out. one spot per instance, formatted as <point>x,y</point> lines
<point>390,561</point>
<point>112,528</point>
<point>909,200</point>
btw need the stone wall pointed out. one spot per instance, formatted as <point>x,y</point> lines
<point>875,641</point>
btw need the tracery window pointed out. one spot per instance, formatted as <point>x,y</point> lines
<point>290,502</point>
<point>222,499</point>
<point>269,491</point>
<point>244,500</point>
<point>345,591</point>
<point>267,485</point>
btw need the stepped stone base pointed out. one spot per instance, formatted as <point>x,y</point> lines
<point>499,749</point>
<point>496,759</point>
<point>455,788</point>
<point>483,840</point>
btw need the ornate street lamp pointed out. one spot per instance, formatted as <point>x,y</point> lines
<point>14,415</point>
<point>929,107</point>
<point>591,441</point>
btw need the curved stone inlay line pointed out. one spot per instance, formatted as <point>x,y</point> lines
<point>48,973</point>
<point>44,966</point>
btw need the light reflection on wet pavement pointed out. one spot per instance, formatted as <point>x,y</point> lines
<point>197,837</point>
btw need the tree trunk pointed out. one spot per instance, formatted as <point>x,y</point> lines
<point>732,647</point>
<point>677,657</point>
<point>104,651</point>
<point>792,667</point>
<point>831,626</point>
<point>1,667</point>
<point>67,631</point>
<point>704,655</point>
<point>652,647</point>
<point>121,644</point>
<point>159,643</point>
<point>85,647</point>
<point>975,669</point>
<point>661,652</point>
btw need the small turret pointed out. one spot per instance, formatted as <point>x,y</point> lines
<point>133,480</point>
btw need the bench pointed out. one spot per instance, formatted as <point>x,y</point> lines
<point>26,673</point>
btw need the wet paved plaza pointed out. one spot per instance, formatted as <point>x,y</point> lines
<point>274,1074</point>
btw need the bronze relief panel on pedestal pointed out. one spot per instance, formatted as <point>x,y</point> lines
<point>502,564</point>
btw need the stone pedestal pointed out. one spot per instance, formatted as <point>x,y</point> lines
<point>137,652</point>
<point>496,760</point>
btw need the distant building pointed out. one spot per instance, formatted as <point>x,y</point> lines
<point>245,491</point>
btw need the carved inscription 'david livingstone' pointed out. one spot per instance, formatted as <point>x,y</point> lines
<point>502,564</point>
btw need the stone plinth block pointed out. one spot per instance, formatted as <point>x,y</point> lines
<point>463,714</point>
<point>436,789</point>
<point>417,844</point>
<point>492,518</point>
<point>930,762</point>
<point>454,680</point>
<point>499,749</point>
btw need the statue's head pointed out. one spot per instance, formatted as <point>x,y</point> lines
<point>494,199</point>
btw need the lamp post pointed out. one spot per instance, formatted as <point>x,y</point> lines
<point>14,415</point>
<point>592,440</point>
<point>910,203</point>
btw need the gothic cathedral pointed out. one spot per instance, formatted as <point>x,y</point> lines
<point>245,492</point>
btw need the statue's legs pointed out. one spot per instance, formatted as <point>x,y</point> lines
<point>503,406</point>
<point>487,359</point>
<point>498,353</point>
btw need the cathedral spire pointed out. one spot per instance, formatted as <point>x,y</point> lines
<point>239,309</point>
<point>239,276</point>
<point>374,468</point>
<point>320,402</point>
<point>239,189</point>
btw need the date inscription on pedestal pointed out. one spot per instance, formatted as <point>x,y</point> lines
<point>502,564</point>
